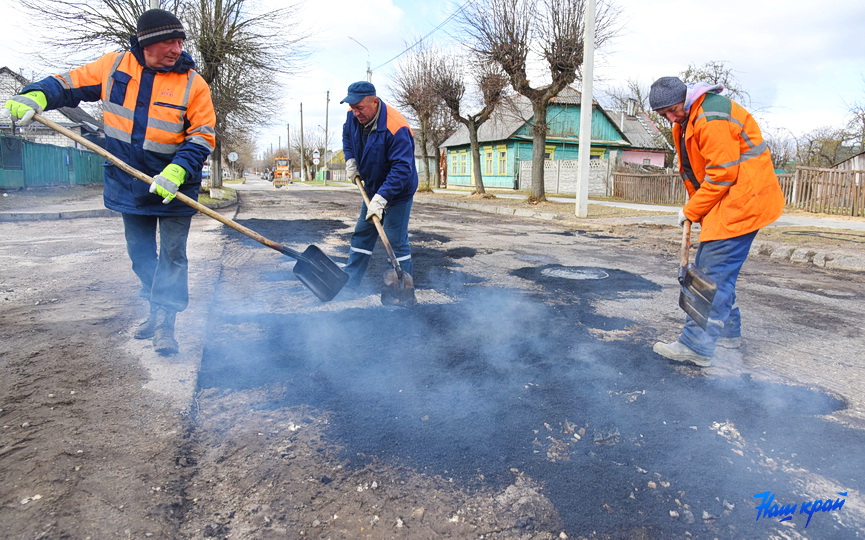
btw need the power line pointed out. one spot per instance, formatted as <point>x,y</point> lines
<point>431,32</point>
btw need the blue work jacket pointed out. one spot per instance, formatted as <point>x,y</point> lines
<point>385,160</point>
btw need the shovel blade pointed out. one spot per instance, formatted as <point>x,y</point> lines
<point>698,292</point>
<point>396,291</point>
<point>320,274</point>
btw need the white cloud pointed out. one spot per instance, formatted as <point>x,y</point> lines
<point>800,62</point>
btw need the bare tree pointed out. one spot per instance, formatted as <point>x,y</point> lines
<point>633,94</point>
<point>717,72</point>
<point>302,157</point>
<point>244,145</point>
<point>412,89</point>
<point>783,147</point>
<point>449,86</point>
<point>512,34</point>
<point>89,26</point>
<point>241,55</point>
<point>442,125</point>
<point>238,52</point>
<point>822,147</point>
<point>856,124</point>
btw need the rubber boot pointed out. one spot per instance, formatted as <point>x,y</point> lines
<point>163,338</point>
<point>147,329</point>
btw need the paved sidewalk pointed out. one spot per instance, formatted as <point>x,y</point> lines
<point>90,207</point>
<point>667,214</point>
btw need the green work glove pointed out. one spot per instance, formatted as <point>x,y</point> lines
<point>165,184</point>
<point>24,106</point>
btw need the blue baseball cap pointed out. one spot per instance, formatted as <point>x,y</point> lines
<point>357,91</point>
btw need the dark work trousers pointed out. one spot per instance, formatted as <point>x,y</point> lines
<point>163,273</point>
<point>721,260</point>
<point>395,225</point>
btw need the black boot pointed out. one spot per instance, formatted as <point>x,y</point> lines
<point>163,338</point>
<point>146,329</point>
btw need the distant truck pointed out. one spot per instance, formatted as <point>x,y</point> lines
<point>281,172</point>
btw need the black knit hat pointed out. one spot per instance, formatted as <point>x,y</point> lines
<point>157,25</point>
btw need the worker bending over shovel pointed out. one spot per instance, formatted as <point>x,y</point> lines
<point>732,192</point>
<point>379,148</point>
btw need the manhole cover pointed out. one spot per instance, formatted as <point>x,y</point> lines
<point>575,273</point>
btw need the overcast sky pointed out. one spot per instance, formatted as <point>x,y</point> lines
<point>802,63</point>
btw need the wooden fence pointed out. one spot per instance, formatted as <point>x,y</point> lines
<point>649,188</point>
<point>830,191</point>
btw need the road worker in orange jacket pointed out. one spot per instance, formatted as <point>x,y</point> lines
<point>732,193</point>
<point>159,118</point>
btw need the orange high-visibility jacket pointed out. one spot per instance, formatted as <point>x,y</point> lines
<point>727,170</point>
<point>153,117</point>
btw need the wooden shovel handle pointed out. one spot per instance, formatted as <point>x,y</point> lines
<point>686,243</point>
<point>377,222</point>
<point>179,196</point>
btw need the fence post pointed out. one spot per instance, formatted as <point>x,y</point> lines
<point>794,193</point>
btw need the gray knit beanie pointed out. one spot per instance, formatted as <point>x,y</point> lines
<point>667,91</point>
<point>157,25</point>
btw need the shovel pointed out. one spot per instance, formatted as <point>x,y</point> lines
<point>698,289</point>
<point>313,268</point>
<point>398,285</point>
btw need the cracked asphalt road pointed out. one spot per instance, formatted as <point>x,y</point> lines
<point>520,399</point>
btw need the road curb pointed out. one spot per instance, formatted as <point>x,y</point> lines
<point>49,216</point>
<point>89,213</point>
<point>831,260</point>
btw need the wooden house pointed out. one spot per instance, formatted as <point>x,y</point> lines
<point>854,163</point>
<point>506,140</point>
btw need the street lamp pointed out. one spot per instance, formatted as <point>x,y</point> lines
<point>368,70</point>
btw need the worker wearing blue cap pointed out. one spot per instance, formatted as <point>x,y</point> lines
<point>379,148</point>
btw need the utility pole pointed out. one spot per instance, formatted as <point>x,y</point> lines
<point>288,144</point>
<point>302,156</point>
<point>582,205</point>
<point>326,112</point>
<point>368,70</point>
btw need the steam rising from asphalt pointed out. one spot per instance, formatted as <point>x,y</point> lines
<point>504,379</point>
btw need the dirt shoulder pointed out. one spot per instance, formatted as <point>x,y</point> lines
<point>781,241</point>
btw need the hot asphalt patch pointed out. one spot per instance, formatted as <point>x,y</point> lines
<point>502,379</point>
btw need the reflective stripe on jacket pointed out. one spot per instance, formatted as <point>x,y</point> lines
<point>730,164</point>
<point>385,160</point>
<point>152,118</point>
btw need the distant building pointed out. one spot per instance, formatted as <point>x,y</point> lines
<point>75,119</point>
<point>854,163</point>
<point>506,139</point>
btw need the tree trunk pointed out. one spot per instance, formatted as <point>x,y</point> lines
<point>216,165</point>
<point>438,176</point>
<point>424,126</point>
<point>539,144</point>
<point>476,158</point>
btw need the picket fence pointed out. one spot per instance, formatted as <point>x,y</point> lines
<point>828,191</point>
